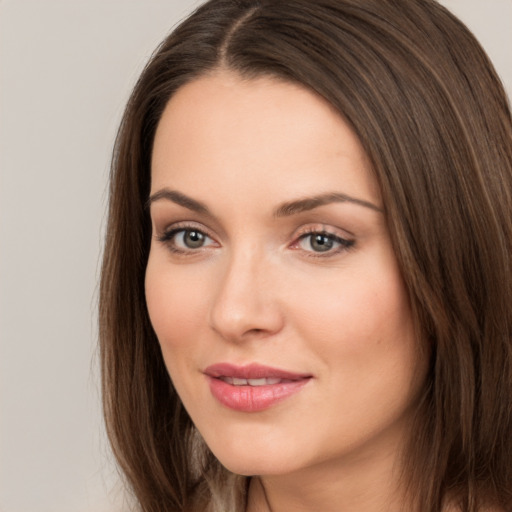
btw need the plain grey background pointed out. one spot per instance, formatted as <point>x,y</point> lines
<point>66,69</point>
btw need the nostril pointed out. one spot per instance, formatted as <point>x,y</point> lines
<point>243,309</point>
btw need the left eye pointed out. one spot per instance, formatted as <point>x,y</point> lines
<point>322,242</point>
<point>187,239</point>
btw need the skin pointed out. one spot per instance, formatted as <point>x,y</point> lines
<point>259,291</point>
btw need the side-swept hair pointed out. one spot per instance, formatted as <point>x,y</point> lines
<point>432,115</point>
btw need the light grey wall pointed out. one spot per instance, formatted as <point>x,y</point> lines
<point>66,69</point>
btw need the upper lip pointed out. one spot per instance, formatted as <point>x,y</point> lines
<point>252,371</point>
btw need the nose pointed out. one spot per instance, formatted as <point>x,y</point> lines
<point>246,305</point>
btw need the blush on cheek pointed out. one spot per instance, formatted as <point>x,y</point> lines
<point>176,306</point>
<point>356,322</point>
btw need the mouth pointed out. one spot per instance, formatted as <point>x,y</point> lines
<point>234,381</point>
<point>254,387</point>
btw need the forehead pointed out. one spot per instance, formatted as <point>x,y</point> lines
<point>256,135</point>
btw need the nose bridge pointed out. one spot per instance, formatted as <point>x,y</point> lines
<point>245,300</point>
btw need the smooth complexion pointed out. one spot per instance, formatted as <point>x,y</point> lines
<point>245,270</point>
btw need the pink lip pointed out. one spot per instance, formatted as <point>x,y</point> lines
<point>248,398</point>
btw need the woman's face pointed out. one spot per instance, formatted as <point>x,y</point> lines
<point>272,285</point>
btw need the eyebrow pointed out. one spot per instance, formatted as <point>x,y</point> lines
<point>179,198</point>
<point>286,209</point>
<point>310,203</point>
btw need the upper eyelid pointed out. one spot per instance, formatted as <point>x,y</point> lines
<point>325,233</point>
<point>340,239</point>
<point>324,228</point>
<point>298,233</point>
<point>184,226</point>
<point>179,229</point>
<point>162,226</point>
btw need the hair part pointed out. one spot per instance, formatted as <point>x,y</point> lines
<point>433,118</point>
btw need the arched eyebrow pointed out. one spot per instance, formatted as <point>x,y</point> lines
<point>284,210</point>
<point>310,203</point>
<point>180,199</point>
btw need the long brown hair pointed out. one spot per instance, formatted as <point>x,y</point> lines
<point>432,115</point>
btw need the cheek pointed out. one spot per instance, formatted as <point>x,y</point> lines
<point>356,308</point>
<point>177,305</point>
<point>362,332</point>
<point>361,328</point>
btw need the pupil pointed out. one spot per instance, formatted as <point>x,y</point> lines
<point>321,243</point>
<point>194,239</point>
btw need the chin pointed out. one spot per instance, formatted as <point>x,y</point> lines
<point>256,460</point>
<point>255,467</point>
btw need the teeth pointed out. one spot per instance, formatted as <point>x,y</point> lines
<point>257,382</point>
<point>273,381</point>
<point>251,382</point>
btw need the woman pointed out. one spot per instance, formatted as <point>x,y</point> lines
<point>306,288</point>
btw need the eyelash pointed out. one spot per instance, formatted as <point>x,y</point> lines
<point>168,238</point>
<point>344,243</point>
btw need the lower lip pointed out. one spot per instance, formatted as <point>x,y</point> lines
<point>253,398</point>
